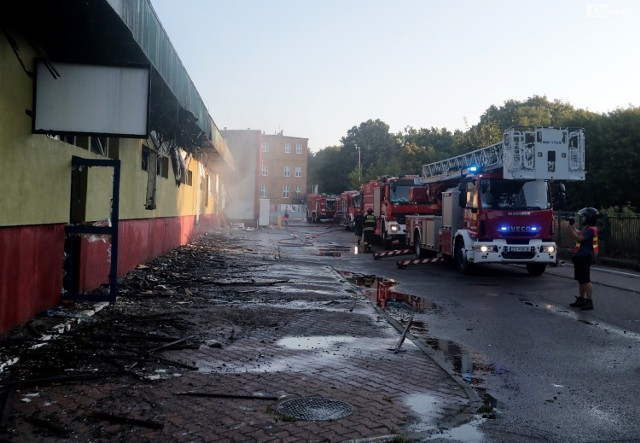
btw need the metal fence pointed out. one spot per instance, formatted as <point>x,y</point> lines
<point>618,235</point>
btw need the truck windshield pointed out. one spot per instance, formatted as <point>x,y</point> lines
<point>514,194</point>
<point>400,193</point>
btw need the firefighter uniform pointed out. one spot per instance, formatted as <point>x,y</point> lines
<point>368,230</point>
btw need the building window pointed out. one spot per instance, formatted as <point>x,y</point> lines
<point>162,167</point>
<point>263,191</point>
<point>298,190</point>
<point>265,170</point>
<point>298,148</point>
<point>287,171</point>
<point>265,146</point>
<point>285,191</point>
<point>99,145</point>
<point>287,148</point>
<point>298,171</point>
<point>145,158</point>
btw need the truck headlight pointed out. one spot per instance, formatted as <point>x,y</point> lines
<point>484,248</point>
<point>548,249</point>
<point>394,228</point>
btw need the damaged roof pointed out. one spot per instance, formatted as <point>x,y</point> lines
<point>119,32</point>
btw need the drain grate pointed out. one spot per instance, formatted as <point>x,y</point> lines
<point>314,408</point>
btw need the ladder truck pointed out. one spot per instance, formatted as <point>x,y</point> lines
<point>493,205</point>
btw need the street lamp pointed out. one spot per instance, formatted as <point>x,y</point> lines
<point>358,148</point>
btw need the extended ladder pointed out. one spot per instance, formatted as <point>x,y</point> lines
<point>540,153</point>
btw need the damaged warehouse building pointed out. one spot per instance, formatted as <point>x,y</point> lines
<point>109,156</point>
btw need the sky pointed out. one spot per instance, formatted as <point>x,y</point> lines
<point>317,68</point>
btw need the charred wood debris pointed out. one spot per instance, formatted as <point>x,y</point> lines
<point>189,297</point>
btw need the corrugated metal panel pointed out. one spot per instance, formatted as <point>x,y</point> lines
<point>147,31</point>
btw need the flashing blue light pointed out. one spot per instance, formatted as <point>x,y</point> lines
<point>503,228</point>
<point>473,169</point>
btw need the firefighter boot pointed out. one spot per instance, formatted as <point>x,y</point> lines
<point>580,301</point>
<point>588,305</point>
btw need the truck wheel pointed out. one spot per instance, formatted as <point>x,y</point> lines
<point>536,268</point>
<point>460,258</point>
<point>385,240</point>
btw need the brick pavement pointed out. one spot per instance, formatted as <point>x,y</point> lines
<point>310,335</point>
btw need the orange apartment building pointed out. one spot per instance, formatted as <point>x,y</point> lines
<point>271,166</point>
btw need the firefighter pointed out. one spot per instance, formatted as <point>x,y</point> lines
<point>585,251</point>
<point>368,230</point>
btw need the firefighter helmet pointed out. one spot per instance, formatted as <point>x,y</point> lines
<point>370,211</point>
<point>588,216</point>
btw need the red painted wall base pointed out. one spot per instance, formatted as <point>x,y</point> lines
<point>31,260</point>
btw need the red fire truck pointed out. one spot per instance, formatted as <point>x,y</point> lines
<point>392,199</point>
<point>350,205</point>
<point>494,204</point>
<point>321,207</point>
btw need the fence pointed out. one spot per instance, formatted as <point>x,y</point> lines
<point>619,239</point>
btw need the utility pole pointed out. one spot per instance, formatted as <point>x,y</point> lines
<point>359,169</point>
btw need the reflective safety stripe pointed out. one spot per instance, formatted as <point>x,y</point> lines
<point>594,242</point>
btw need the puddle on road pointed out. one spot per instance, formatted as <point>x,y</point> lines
<point>315,342</point>
<point>382,288</point>
<point>468,365</point>
<point>425,406</point>
<point>468,433</point>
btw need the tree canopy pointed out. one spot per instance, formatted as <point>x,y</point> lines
<point>369,150</point>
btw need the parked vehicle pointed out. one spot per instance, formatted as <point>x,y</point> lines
<point>494,205</point>
<point>392,199</point>
<point>321,207</point>
<point>350,205</point>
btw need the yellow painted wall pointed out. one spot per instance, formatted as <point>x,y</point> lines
<point>35,170</point>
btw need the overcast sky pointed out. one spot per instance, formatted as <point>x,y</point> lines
<point>316,68</point>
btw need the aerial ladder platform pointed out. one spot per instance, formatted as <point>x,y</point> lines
<point>524,154</point>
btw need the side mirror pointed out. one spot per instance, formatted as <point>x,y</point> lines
<point>560,200</point>
<point>462,199</point>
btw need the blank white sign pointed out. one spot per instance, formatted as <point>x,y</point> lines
<point>92,99</point>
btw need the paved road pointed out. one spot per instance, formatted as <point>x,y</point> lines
<point>553,373</point>
<point>248,336</point>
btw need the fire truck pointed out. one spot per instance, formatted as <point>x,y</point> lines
<point>321,207</point>
<point>350,205</point>
<point>392,199</point>
<point>494,205</point>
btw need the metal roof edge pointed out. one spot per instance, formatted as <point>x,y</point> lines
<point>141,19</point>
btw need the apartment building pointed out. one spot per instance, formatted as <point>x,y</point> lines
<point>273,167</point>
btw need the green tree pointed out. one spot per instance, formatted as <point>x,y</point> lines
<point>377,147</point>
<point>327,169</point>
<point>612,149</point>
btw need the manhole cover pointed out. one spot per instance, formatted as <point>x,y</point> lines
<point>314,408</point>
